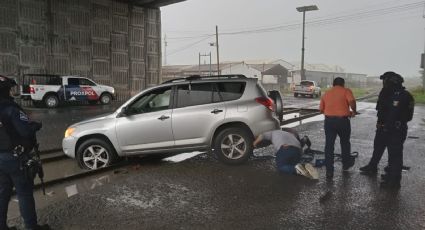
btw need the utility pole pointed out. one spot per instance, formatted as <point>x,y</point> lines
<point>204,55</point>
<point>165,49</point>
<point>423,60</point>
<point>216,44</point>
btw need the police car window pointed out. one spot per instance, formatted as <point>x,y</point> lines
<point>153,101</point>
<point>73,81</point>
<point>231,90</point>
<point>194,94</point>
<point>84,81</point>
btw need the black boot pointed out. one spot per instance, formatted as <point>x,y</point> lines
<point>368,170</point>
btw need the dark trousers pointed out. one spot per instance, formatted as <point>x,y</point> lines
<point>287,158</point>
<point>12,176</point>
<point>392,139</point>
<point>337,126</point>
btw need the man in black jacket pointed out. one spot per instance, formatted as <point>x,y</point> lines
<point>17,138</point>
<point>395,108</point>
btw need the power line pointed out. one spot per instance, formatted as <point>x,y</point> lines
<point>361,15</point>
<point>188,46</point>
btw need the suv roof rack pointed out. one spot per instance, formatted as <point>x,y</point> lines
<point>198,77</point>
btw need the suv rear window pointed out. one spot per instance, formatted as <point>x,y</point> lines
<point>306,83</point>
<point>231,90</point>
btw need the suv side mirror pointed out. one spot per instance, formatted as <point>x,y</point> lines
<point>123,112</point>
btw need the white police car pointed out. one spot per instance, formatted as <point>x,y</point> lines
<point>50,90</point>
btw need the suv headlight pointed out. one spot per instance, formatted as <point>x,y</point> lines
<point>69,132</point>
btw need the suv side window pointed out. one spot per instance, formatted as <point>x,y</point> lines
<point>231,90</point>
<point>153,101</point>
<point>84,81</point>
<point>196,94</point>
<point>73,81</point>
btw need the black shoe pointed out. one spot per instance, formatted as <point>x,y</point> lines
<point>40,227</point>
<point>368,170</point>
<point>348,165</point>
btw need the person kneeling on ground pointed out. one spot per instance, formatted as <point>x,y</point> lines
<point>288,153</point>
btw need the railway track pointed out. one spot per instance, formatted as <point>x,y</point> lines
<point>53,157</point>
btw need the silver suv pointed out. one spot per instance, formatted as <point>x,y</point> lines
<point>219,114</point>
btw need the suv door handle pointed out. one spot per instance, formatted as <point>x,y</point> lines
<point>163,117</point>
<point>215,111</point>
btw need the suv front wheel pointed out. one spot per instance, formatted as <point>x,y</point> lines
<point>95,153</point>
<point>233,146</point>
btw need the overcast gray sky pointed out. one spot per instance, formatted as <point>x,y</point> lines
<point>361,36</point>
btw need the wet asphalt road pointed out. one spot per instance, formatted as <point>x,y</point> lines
<point>201,193</point>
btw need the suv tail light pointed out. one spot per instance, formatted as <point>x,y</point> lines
<point>266,101</point>
<point>32,90</point>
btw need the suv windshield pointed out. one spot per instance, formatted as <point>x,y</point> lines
<point>306,83</point>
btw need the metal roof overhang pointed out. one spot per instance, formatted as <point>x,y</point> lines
<point>154,3</point>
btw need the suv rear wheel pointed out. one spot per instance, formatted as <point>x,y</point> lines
<point>51,101</point>
<point>277,98</point>
<point>233,146</point>
<point>95,153</point>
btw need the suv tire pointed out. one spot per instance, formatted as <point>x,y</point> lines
<point>95,153</point>
<point>105,98</point>
<point>51,101</point>
<point>277,98</point>
<point>233,146</point>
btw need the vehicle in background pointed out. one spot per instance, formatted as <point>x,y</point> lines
<point>307,88</point>
<point>51,90</point>
<point>219,114</point>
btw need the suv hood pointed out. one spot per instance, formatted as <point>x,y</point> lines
<point>108,88</point>
<point>101,119</point>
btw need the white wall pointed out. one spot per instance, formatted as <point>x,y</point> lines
<point>242,69</point>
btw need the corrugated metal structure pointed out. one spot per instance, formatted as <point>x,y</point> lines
<point>113,42</point>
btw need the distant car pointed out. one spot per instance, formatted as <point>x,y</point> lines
<point>218,114</point>
<point>307,88</point>
<point>50,90</point>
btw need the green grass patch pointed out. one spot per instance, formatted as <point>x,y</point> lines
<point>419,95</point>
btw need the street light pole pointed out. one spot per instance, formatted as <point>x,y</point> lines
<point>303,9</point>
<point>218,56</point>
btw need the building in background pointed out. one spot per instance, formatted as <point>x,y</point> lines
<point>112,42</point>
<point>271,73</point>
<point>324,75</point>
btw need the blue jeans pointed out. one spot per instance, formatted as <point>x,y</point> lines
<point>337,126</point>
<point>12,176</point>
<point>287,158</point>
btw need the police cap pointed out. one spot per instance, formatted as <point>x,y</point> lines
<point>392,77</point>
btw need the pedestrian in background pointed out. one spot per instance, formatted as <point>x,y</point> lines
<point>335,104</point>
<point>395,108</point>
<point>17,137</point>
<point>288,153</point>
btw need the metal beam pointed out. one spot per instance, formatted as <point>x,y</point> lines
<point>154,3</point>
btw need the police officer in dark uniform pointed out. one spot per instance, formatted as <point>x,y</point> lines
<point>395,108</point>
<point>17,138</point>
